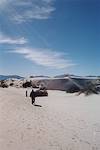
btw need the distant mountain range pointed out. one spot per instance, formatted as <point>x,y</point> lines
<point>71,75</point>
<point>75,76</point>
<point>41,76</point>
<point>63,75</point>
<point>5,77</point>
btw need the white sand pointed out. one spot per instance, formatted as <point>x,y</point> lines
<point>64,122</point>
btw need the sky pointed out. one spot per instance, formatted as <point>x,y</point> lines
<point>50,37</point>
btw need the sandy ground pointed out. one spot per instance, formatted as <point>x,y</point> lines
<point>64,122</point>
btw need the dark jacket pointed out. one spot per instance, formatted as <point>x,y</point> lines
<point>32,94</point>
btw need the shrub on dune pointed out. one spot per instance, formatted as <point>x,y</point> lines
<point>3,84</point>
<point>89,89</point>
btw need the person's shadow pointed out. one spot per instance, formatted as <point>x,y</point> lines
<point>37,105</point>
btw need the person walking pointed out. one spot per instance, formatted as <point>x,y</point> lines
<point>26,93</point>
<point>32,95</point>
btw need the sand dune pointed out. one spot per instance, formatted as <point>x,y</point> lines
<point>64,122</point>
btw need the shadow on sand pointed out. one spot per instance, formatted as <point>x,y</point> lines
<point>37,105</point>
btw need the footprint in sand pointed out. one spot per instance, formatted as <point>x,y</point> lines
<point>94,148</point>
<point>10,142</point>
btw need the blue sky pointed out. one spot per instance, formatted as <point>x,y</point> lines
<point>50,37</point>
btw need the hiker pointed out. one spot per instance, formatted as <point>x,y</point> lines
<point>26,93</point>
<point>32,95</point>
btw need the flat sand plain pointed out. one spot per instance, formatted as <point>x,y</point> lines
<point>64,122</point>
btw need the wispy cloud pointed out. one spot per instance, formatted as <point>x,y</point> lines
<point>9,40</point>
<point>44,57</point>
<point>22,10</point>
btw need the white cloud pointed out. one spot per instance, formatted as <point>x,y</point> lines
<point>8,40</point>
<point>22,10</point>
<point>47,58</point>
